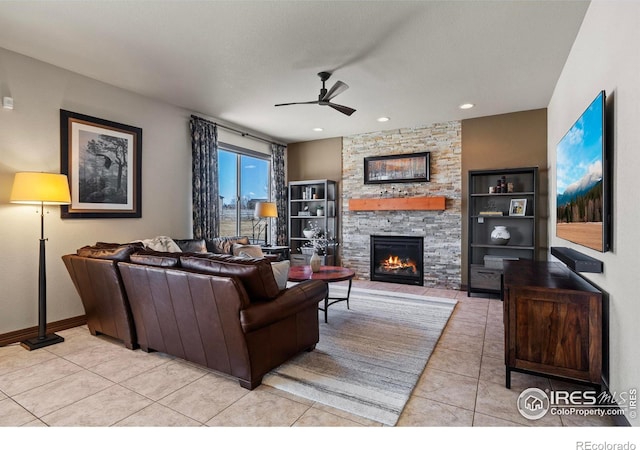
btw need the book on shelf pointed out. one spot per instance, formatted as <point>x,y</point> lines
<point>490,213</point>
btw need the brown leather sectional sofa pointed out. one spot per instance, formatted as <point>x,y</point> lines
<point>223,312</point>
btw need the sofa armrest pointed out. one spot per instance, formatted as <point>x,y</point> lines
<point>290,301</point>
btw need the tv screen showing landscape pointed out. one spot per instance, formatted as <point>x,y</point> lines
<point>580,196</point>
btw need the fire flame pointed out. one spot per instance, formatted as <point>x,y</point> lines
<point>395,263</point>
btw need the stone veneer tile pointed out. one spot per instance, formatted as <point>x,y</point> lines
<point>13,415</point>
<point>57,394</point>
<point>449,388</point>
<point>156,415</point>
<point>205,397</point>
<point>442,230</point>
<point>260,408</point>
<point>104,408</point>
<point>315,417</point>
<point>164,379</point>
<point>33,376</point>
<point>422,412</point>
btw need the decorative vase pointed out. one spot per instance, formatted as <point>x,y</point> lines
<point>308,233</point>
<point>500,235</point>
<point>320,212</point>
<point>315,262</point>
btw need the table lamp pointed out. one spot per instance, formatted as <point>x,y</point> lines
<point>266,210</point>
<point>38,188</point>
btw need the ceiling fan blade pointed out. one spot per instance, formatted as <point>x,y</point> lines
<point>336,89</point>
<point>343,109</point>
<point>298,103</point>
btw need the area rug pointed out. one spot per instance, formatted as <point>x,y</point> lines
<point>370,356</point>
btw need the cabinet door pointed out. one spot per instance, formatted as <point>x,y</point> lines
<point>555,332</point>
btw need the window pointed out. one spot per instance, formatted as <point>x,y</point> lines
<point>243,180</point>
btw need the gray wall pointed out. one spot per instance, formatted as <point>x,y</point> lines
<point>605,56</point>
<point>30,141</point>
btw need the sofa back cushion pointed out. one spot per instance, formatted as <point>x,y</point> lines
<point>255,274</point>
<point>192,245</point>
<point>247,250</point>
<point>225,244</point>
<point>114,252</point>
<point>156,259</point>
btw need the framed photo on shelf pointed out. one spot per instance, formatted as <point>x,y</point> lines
<point>518,207</point>
<point>407,168</point>
<point>102,160</point>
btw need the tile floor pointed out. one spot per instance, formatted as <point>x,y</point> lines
<point>95,381</point>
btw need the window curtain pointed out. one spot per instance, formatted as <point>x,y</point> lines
<point>279,193</point>
<point>205,195</point>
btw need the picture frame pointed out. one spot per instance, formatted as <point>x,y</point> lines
<point>518,207</point>
<point>404,168</point>
<point>102,160</point>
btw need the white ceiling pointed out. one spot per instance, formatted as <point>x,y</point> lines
<point>414,61</point>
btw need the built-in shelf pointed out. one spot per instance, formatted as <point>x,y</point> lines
<point>508,247</point>
<point>398,204</point>
<point>503,217</point>
<point>310,196</point>
<point>485,258</point>
<point>502,194</point>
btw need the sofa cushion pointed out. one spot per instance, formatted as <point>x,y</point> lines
<point>255,274</point>
<point>114,252</point>
<point>253,251</point>
<point>157,259</point>
<point>225,244</point>
<point>192,245</point>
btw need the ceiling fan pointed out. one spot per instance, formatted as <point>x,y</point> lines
<point>325,96</point>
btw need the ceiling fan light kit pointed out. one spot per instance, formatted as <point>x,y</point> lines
<point>325,96</point>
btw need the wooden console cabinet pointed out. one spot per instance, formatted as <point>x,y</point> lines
<point>553,322</point>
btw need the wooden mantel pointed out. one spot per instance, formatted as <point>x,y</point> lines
<point>398,204</point>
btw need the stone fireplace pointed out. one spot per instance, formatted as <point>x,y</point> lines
<point>440,230</point>
<point>397,259</point>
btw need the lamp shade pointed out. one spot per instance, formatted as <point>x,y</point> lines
<point>266,209</point>
<point>40,188</point>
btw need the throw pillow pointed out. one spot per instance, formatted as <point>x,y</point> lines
<point>161,244</point>
<point>254,251</point>
<point>281,272</point>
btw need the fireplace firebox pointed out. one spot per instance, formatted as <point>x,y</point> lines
<point>397,259</point>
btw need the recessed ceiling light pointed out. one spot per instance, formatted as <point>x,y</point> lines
<point>383,119</point>
<point>318,129</point>
<point>466,106</point>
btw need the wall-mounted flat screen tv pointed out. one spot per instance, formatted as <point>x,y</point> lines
<point>582,181</point>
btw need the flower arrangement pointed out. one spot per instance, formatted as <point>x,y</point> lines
<point>318,240</point>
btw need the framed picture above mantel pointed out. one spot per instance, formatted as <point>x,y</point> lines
<point>406,168</point>
<point>102,160</point>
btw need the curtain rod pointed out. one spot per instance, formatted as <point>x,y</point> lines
<point>242,133</point>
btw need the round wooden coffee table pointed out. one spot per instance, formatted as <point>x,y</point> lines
<point>328,274</point>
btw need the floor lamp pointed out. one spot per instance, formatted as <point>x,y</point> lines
<point>266,210</point>
<point>37,188</point>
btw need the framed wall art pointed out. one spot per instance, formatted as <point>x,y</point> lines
<point>407,168</point>
<point>518,207</point>
<point>102,160</point>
